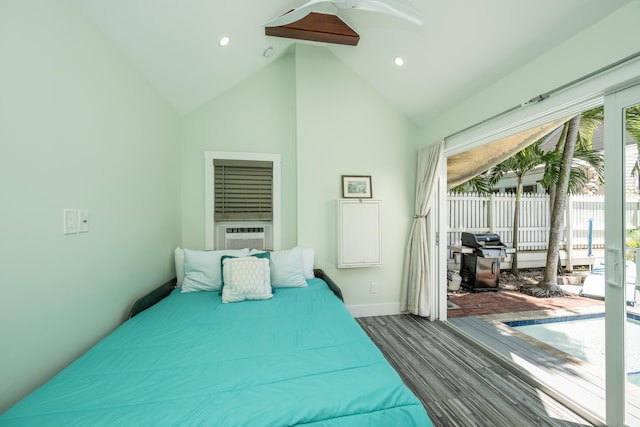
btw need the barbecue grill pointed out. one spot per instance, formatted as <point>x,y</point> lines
<point>480,267</point>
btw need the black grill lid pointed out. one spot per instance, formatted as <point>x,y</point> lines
<point>480,240</point>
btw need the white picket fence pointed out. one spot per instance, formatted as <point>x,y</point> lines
<point>493,213</point>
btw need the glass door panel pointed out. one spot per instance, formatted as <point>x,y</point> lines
<point>631,116</point>
<point>622,257</point>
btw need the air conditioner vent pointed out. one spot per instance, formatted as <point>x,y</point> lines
<point>244,230</point>
<point>240,236</point>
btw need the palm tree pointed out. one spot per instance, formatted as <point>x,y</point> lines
<point>549,285</point>
<point>520,164</point>
<point>570,158</point>
<point>566,172</point>
<point>579,155</point>
<point>583,156</point>
<point>633,127</point>
<point>633,122</point>
<point>480,184</point>
<point>563,176</point>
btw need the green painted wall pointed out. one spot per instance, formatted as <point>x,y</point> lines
<point>78,129</point>
<point>325,122</point>
<point>347,128</point>
<point>609,40</point>
<point>257,116</point>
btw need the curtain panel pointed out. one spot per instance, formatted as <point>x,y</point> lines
<point>415,295</point>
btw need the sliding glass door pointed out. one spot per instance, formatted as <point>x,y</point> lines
<point>622,265</point>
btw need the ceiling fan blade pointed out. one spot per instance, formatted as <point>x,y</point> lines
<point>294,15</point>
<point>403,9</point>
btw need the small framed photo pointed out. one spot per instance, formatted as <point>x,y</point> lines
<point>356,187</point>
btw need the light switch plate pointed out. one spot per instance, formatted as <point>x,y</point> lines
<point>70,221</point>
<point>83,220</point>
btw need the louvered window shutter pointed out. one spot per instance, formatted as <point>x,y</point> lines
<point>243,190</point>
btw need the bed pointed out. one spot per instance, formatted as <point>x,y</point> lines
<point>295,358</point>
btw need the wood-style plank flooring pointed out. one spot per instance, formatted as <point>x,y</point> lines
<point>458,384</point>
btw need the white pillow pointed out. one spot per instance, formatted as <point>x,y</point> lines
<point>202,269</point>
<point>246,279</point>
<point>179,259</point>
<point>308,255</point>
<point>287,269</point>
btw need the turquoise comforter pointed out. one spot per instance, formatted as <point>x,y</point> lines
<point>298,358</point>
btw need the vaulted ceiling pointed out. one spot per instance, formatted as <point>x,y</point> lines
<point>463,46</point>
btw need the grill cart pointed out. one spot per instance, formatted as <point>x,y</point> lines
<point>480,261</point>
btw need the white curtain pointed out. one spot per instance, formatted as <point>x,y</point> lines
<point>415,296</point>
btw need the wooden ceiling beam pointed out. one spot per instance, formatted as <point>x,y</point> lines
<point>317,27</point>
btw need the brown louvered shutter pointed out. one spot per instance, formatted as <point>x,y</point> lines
<point>243,190</point>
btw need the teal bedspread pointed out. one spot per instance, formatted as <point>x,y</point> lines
<point>298,358</point>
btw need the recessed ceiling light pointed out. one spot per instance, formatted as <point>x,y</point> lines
<point>399,61</point>
<point>224,41</point>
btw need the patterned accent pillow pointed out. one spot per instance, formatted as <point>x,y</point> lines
<point>266,255</point>
<point>247,278</point>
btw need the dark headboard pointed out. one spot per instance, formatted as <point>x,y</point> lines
<point>332,285</point>
<point>152,297</point>
<point>165,289</point>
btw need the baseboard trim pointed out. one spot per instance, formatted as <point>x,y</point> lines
<point>368,310</point>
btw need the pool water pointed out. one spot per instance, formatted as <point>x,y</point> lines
<point>583,337</point>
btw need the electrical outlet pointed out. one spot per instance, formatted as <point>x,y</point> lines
<point>83,220</point>
<point>373,287</point>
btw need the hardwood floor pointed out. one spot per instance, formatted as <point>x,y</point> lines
<point>458,384</point>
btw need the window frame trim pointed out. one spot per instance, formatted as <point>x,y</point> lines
<point>209,191</point>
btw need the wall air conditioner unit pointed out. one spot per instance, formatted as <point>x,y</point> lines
<point>238,236</point>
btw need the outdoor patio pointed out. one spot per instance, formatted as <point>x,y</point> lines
<point>508,299</point>
<point>462,304</point>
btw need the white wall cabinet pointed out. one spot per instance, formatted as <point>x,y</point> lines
<point>359,231</point>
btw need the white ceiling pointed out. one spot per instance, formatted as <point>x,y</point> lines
<point>463,46</point>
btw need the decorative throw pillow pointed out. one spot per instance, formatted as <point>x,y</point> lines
<point>246,278</point>
<point>286,269</point>
<point>255,254</point>
<point>308,255</point>
<point>202,269</point>
<point>179,260</point>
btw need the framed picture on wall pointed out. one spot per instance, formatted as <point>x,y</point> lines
<point>356,187</point>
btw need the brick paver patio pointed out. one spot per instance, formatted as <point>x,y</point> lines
<point>504,301</point>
